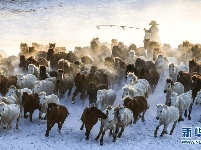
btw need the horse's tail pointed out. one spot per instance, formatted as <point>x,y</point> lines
<point>148,106</point>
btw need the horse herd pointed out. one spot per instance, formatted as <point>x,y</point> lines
<point>92,72</point>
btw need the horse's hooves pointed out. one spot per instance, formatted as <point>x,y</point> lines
<point>96,138</point>
<point>73,102</point>
<point>101,144</point>
<point>114,140</point>
<point>87,139</point>
<point>189,118</point>
<point>46,135</point>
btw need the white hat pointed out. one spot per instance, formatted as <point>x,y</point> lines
<point>153,23</point>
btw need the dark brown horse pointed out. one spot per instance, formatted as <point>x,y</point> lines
<point>81,86</point>
<point>55,114</point>
<point>89,118</point>
<point>137,105</point>
<point>22,63</point>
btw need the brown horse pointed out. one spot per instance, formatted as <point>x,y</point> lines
<point>137,105</point>
<point>55,114</point>
<point>81,86</point>
<point>89,118</point>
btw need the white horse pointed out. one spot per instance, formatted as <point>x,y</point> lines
<point>9,113</point>
<point>198,101</point>
<point>32,69</point>
<point>12,99</point>
<point>26,81</point>
<point>105,98</point>
<point>128,90</point>
<point>174,70</point>
<point>45,100</point>
<point>161,64</point>
<point>182,102</point>
<point>125,116</point>
<point>132,79</point>
<point>48,86</point>
<point>166,115</point>
<point>19,92</point>
<point>108,124</point>
<point>171,87</point>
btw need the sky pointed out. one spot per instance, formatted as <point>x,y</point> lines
<point>73,23</point>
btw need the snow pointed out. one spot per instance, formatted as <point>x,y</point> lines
<point>70,24</point>
<point>31,135</point>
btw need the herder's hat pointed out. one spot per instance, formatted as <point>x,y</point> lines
<point>153,23</point>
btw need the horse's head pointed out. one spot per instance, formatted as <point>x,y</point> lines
<point>100,97</point>
<point>60,74</point>
<point>20,80</point>
<point>51,111</point>
<point>12,90</point>
<point>131,78</point>
<point>109,111</point>
<point>121,113</point>
<point>159,61</point>
<point>171,69</point>
<point>169,85</point>
<point>42,98</point>
<point>159,110</point>
<point>31,69</point>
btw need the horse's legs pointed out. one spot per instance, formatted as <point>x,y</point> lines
<point>185,113</point>
<point>40,115</point>
<point>120,133</point>
<point>143,116</point>
<point>25,114</point>
<point>87,134</point>
<point>60,126</point>
<point>155,133</point>
<point>135,118</point>
<point>110,132</point>
<point>30,116</point>
<point>189,113</point>
<point>18,118</point>
<point>49,127</point>
<point>101,129</point>
<point>69,91</point>
<point>81,128</point>
<point>101,140</point>
<point>174,125</point>
<point>164,130</point>
<point>180,117</point>
<point>74,94</point>
<point>114,135</point>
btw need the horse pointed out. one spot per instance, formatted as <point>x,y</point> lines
<point>55,114</point>
<point>108,124</point>
<point>81,85</point>
<point>89,118</point>
<point>166,115</point>
<point>137,105</point>
<point>105,98</point>
<point>9,113</point>
<point>171,87</point>
<point>182,102</point>
<point>125,116</point>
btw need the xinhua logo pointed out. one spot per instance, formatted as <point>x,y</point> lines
<point>189,132</point>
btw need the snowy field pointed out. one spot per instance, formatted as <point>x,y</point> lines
<point>31,135</point>
<point>71,24</point>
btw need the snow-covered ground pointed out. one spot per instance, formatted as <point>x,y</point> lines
<point>31,135</point>
<point>70,24</point>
